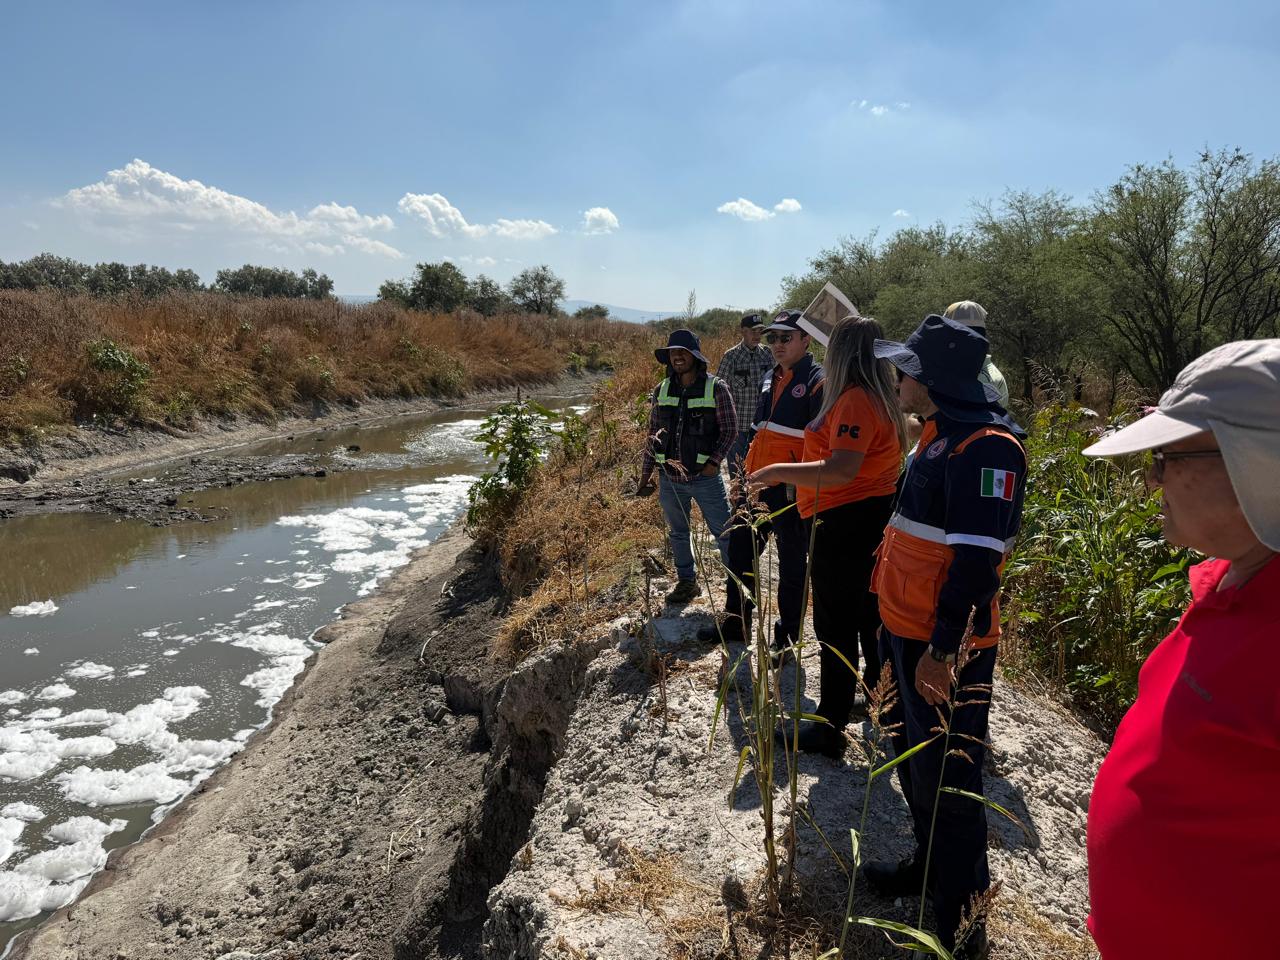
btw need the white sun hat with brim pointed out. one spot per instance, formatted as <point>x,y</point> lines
<point>1233,391</point>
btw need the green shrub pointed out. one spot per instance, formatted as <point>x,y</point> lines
<point>515,437</point>
<point>114,383</point>
<point>1094,587</point>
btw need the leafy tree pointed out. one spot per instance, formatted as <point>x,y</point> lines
<point>316,286</point>
<point>440,287</point>
<point>536,290</point>
<point>394,291</point>
<point>595,311</point>
<point>1041,305</point>
<point>253,281</point>
<point>1187,260</point>
<point>485,297</point>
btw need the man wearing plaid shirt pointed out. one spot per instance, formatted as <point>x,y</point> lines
<point>743,367</point>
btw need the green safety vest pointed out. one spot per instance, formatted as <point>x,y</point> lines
<point>688,429</point>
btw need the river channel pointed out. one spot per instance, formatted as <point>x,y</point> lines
<point>135,660</point>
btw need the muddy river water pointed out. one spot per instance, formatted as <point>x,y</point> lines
<point>134,659</point>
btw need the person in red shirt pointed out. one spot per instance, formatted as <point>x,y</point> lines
<point>846,482</point>
<point>1184,820</point>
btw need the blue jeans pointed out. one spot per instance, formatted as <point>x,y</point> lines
<point>959,862</point>
<point>676,497</point>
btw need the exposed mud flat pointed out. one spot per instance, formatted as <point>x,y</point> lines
<point>81,471</point>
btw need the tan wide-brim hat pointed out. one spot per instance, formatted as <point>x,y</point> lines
<point>1233,391</point>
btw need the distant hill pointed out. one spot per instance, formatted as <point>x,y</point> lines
<point>620,313</point>
<point>629,314</point>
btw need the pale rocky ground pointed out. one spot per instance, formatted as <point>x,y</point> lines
<point>637,782</point>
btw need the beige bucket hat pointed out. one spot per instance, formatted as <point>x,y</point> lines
<point>1234,391</point>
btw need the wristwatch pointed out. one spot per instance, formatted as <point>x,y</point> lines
<point>939,656</point>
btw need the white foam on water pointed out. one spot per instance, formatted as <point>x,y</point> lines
<point>181,556</point>
<point>132,587</point>
<point>10,830</point>
<point>55,691</point>
<point>24,895</point>
<point>269,605</point>
<point>90,671</point>
<point>171,652</point>
<point>37,608</point>
<point>45,713</point>
<point>138,672</point>
<point>273,579</point>
<point>11,696</point>
<point>79,829</point>
<point>227,590</point>
<point>146,783</point>
<point>31,652</point>
<point>149,633</point>
<point>23,811</point>
<point>25,755</point>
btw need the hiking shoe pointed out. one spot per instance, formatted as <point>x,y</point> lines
<point>685,590</point>
<point>901,879</point>
<point>815,738</point>
<point>727,625</point>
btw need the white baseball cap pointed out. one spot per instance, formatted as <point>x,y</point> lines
<point>1233,391</point>
<point>968,312</point>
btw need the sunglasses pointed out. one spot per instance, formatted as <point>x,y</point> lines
<point>1160,457</point>
<point>783,338</point>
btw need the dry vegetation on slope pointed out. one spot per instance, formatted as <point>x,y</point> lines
<point>69,359</point>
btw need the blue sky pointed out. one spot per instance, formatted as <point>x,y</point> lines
<point>363,138</point>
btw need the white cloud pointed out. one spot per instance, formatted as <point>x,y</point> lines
<point>443,219</point>
<point>474,261</point>
<point>787,205</point>
<point>138,195</point>
<point>599,220</point>
<point>879,109</point>
<point>744,209</point>
<point>901,213</point>
<point>369,245</point>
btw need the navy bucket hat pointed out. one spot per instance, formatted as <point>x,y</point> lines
<point>683,340</point>
<point>944,356</point>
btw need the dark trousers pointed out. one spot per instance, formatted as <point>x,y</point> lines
<point>746,542</point>
<point>846,614</point>
<point>958,865</point>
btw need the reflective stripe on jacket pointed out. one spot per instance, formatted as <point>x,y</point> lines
<point>789,400</point>
<point>945,548</point>
<point>688,429</point>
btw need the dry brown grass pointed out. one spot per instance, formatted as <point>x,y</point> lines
<point>212,355</point>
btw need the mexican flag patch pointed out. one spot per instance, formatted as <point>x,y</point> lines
<point>998,483</point>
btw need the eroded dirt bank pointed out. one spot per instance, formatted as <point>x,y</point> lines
<point>316,840</point>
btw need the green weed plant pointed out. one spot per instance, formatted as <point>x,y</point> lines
<point>1093,586</point>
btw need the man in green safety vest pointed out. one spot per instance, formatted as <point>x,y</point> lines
<point>692,425</point>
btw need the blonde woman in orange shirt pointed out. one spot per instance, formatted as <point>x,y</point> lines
<point>852,456</point>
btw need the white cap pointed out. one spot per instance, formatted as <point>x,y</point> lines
<point>968,312</point>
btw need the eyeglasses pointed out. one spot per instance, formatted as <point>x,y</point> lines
<point>783,338</point>
<point>1160,457</point>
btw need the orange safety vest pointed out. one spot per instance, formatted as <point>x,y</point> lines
<point>789,400</point>
<point>915,556</point>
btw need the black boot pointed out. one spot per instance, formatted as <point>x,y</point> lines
<point>815,738</point>
<point>727,625</point>
<point>901,879</point>
<point>685,590</point>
